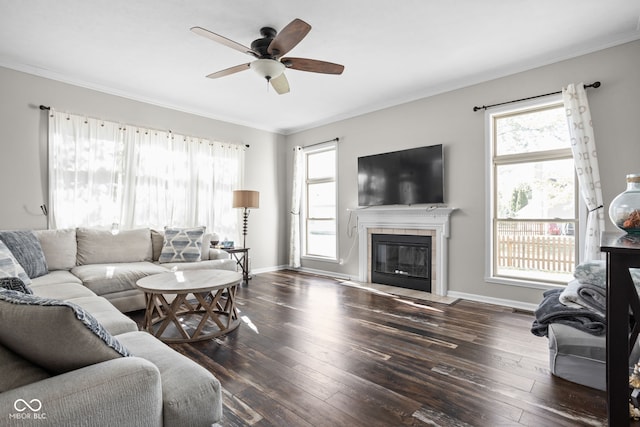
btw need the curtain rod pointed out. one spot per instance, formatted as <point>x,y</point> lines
<point>323,142</point>
<point>47,108</point>
<point>484,107</point>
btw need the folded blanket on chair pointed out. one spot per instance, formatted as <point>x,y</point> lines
<point>584,295</point>
<point>594,297</point>
<point>551,310</point>
<point>570,297</point>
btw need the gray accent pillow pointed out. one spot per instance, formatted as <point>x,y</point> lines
<point>57,335</point>
<point>25,247</point>
<point>14,284</point>
<point>9,265</point>
<point>182,244</point>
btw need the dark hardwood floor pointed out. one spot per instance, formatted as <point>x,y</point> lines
<point>313,352</point>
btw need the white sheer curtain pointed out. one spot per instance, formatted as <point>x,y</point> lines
<point>228,169</point>
<point>583,146</point>
<point>85,171</point>
<point>296,200</point>
<point>141,178</point>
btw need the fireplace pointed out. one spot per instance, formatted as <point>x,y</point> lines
<point>407,220</point>
<point>401,260</point>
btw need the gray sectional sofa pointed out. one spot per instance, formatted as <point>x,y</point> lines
<point>70,356</point>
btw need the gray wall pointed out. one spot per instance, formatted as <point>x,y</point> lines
<point>445,118</point>
<point>448,119</point>
<point>23,153</point>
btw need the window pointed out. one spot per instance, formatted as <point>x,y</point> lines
<point>319,226</point>
<point>534,197</point>
<point>103,173</point>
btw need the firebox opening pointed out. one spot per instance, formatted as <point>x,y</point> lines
<point>401,260</point>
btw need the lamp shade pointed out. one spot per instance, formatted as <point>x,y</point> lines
<point>267,68</point>
<point>246,199</point>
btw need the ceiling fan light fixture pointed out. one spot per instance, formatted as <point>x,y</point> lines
<point>267,68</point>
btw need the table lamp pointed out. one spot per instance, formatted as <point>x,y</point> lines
<point>245,199</point>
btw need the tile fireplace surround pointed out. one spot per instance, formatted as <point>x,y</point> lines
<point>409,220</point>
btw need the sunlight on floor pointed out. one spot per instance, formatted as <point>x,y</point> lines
<point>250,324</point>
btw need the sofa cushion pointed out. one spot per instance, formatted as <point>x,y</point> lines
<point>56,335</point>
<point>182,244</point>
<point>109,278</point>
<point>102,246</point>
<point>25,246</point>
<point>14,284</point>
<point>106,314</point>
<point>191,395</point>
<point>56,277</point>
<point>59,246</point>
<point>9,265</point>
<point>63,291</point>
<point>17,371</point>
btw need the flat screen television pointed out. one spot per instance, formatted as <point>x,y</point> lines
<point>405,177</point>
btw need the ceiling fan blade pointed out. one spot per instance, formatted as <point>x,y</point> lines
<point>280,84</point>
<point>228,71</point>
<point>313,65</point>
<point>225,41</point>
<point>288,37</point>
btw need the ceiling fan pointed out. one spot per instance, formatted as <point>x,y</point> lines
<point>268,52</point>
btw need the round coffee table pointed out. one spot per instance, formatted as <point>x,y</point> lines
<point>192,305</point>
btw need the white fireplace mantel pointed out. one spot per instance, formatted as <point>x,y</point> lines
<point>407,217</point>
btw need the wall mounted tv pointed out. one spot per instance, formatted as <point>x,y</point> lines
<point>405,177</point>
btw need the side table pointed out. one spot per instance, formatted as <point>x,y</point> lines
<point>241,255</point>
<point>623,253</point>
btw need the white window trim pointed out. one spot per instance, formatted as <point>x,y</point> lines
<point>489,186</point>
<point>303,211</point>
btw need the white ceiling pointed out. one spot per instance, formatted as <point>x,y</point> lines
<point>393,52</point>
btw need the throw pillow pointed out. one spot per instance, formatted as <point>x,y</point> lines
<point>25,247</point>
<point>9,265</point>
<point>182,244</point>
<point>157,240</point>
<point>14,284</point>
<point>59,247</point>
<point>57,335</point>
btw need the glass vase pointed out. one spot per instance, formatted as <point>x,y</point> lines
<point>624,210</point>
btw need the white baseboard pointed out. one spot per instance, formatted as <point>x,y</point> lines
<point>497,301</point>
<point>269,269</point>
<point>321,273</point>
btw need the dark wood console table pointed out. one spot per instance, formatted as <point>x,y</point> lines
<point>623,253</point>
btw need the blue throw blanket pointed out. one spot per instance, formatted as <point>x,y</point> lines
<point>551,310</point>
